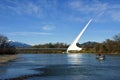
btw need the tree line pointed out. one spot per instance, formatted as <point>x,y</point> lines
<point>109,46</point>
<point>51,45</point>
<point>5,48</point>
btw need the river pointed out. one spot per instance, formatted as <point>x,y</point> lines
<point>61,67</point>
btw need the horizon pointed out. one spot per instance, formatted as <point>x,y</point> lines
<point>45,21</point>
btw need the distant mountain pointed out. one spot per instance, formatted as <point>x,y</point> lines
<point>19,44</point>
<point>89,44</point>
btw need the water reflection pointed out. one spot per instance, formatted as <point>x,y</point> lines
<point>74,58</point>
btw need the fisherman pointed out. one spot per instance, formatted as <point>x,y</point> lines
<point>99,54</point>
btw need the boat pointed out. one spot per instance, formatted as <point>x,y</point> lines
<point>100,57</point>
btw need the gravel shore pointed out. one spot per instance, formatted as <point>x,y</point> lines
<point>7,58</point>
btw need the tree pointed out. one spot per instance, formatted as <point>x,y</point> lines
<point>5,48</point>
<point>117,37</point>
<point>3,41</point>
<point>117,43</point>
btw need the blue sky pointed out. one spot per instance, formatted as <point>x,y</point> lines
<point>43,21</point>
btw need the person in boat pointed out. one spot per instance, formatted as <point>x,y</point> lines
<point>99,54</point>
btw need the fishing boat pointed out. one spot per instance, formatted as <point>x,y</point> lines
<point>100,56</point>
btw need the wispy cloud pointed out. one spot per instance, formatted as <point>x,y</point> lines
<point>28,33</point>
<point>115,15</point>
<point>40,8</point>
<point>85,8</point>
<point>96,8</point>
<point>25,7</point>
<point>48,27</point>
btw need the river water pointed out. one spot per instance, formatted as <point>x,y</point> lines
<point>61,67</point>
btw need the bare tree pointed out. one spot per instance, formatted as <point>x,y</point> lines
<point>3,41</point>
<point>5,48</point>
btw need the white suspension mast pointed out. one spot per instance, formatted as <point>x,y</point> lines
<point>73,46</point>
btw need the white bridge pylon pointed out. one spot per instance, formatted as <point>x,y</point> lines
<point>73,46</point>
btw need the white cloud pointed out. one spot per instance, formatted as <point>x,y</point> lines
<point>28,7</point>
<point>115,15</point>
<point>48,27</point>
<point>39,8</point>
<point>28,33</point>
<point>96,9</point>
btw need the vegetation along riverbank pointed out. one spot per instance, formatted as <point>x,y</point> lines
<point>109,46</point>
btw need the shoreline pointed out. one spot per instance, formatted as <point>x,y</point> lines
<point>71,53</point>
<point>7,58</point>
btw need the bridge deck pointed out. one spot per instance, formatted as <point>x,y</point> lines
<point>41,50</point>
